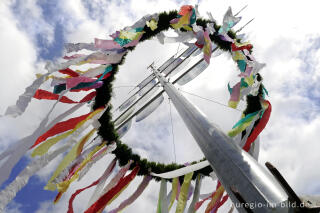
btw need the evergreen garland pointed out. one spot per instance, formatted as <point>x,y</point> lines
<point>107,130</point>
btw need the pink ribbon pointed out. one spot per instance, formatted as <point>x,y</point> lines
<point>72,82</point>
<point>235,95</point>
<point>73,56</point>
<point>246,73</point>
<point>106,44</point>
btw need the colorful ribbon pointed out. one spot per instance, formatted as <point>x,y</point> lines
<point>81,85</point>
<point>152,24</point>
<point>260,126</point>
<point>228,21</point>
<point>235,95</point>
<point>216,197</point>
<point>100,191</point>
<point>242,124</point>
<point>72,123</point>
<point>237,46</point>
<point>107,197</point>
<point>207,48</point>
<point>183,196</point>
<point>134,196</point>
<point>129,38</point>
<point>46,95</point>
<point>63,186</point>
<point>69,72</point>
<point>174,191</point>
<point>75,151</point>
<point>186,18</point>
<point>104,176</point>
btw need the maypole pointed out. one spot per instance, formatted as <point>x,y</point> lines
<point>235,168</point>
<point>91,136</point>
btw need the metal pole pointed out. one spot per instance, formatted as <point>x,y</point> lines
<point>249,185</point>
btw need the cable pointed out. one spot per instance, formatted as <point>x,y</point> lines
<point>123,86</point>
<point>174,145</point>
<point>177,50</point>
<point>208,99</point>
<point>241,10</point>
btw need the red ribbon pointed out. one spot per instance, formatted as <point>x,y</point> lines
<point>224,199</point>
<point>235,48</point>
<point>199,45</point>
<point>57,197</point>
<point>199,203</point>
<point>60,127</point>
<point>90,88</point>
<point>104,199</point>
<point>258,129</point>
<point>43,94</point>
<point>69,72</point>
<point>254,134</point>
<point>73,196</point>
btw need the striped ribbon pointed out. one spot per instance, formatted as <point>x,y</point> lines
<point>104,176</point>
<point>183,196</point>
<point>107,197</point>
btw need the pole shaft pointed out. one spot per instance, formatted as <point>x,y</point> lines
<point>235,168</point>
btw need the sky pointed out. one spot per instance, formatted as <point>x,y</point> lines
<point>285,36</point>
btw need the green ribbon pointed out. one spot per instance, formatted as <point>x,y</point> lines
<point>183,196</point>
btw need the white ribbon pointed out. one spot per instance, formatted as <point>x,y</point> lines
<point>15,153</point>
<point>24,99</point>
<point>196,194</point>
<point>182,37</point>
<point>182,171</point>
<point>100,185</point>
<point>22,179</point>
<point>98,193</point>
<point>162,201</point>
<point>88,166</point>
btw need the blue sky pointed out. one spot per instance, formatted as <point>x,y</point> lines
<point>284,38</point>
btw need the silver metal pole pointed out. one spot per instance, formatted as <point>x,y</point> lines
<point>249,185</point>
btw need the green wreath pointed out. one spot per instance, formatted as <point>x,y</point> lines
<point>107,129</point>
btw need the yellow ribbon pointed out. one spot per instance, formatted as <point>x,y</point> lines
<point>249,80</point>
<point>240,128</point>
<point>237,55</point>
<point>183,196</point>
<point>63,186</point>
<point>152,24</point>
<point>130,35</point>
<point>175,182</point>
<point>215,198</point>
<point>46,145</point>
<point>75,151</point>
<point>183,22</point>
<point>241,44</point>
<point>233,104</point>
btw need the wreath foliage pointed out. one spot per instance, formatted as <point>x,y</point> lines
<point>107,129</point>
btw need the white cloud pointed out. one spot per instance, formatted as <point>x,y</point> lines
<point>18,64</point>
<point>31,19</point>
